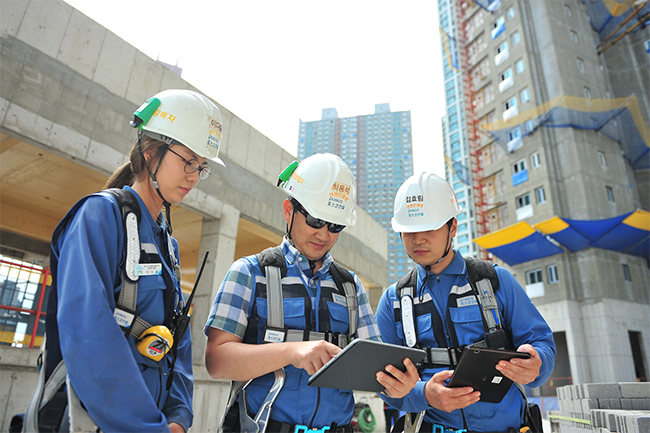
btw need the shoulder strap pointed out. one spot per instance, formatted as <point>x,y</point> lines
<point>272,256</point>
<point>345,283</point>
<point>406,289</point>
<point>274,267</point>
<point>478,269</point>
<point>484,282</point>
<point>407,285</point>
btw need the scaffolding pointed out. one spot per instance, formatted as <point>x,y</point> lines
<point>472,136</point>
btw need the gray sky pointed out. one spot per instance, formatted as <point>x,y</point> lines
<point>274,63</point>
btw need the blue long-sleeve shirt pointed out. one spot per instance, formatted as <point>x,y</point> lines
<point>121,389</point>
<point>520,317</point>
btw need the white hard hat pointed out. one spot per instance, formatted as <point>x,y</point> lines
<point>184,116</point>
<point>425,202</point>
<point>324,185</point>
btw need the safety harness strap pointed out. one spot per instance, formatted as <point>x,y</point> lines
<point>484,282</point>
<point>274,297</point>
<point>344,278</point>
<point>274,266</point>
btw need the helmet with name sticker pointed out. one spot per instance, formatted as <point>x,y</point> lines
<point>324,185</point>
<point>184,117</point>
<point>424,202</point>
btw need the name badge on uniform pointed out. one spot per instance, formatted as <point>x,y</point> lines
<point>123,318</point>
<point>146,269</point>
<point>339,299</point>
<point>466,301</point>
<point>273,336</point>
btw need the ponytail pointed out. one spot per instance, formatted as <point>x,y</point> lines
<point>135,168</point>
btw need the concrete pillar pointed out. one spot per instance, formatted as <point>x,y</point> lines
<point>220,238</point>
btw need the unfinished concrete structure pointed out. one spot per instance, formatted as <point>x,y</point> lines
<point>67,91</point>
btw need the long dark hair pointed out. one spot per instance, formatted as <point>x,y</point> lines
<point>135,168</point>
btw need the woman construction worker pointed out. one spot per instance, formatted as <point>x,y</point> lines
<point>116,296</point>
<point>280,315</point>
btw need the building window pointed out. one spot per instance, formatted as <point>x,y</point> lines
<point>540,194</point>
<point>581,65</point>
<point>626,273</point>
<point>551,271</point>
<point>610,193</point>
<point>498,27</point>
<point>534,160</point>
<point>503,47</point>
<point>510,103</point>
<point>534,277</point>
<point>510,13</point>
<point>601,159</point>
<point>574,37</point>
<point>523,200</point>
<point>519,166</point>
<point>515,38</point>
<point>568,11</point>
<point>520,66</point>
<point>506,74</point>
<point>587,92</point>
<point>530,125</point>
<point>524,95</point>
<point>514,134</point>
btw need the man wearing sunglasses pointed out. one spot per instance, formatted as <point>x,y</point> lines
<point>318,320</point>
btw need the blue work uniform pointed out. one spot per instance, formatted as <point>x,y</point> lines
<point>121,389</point>
<point>448,315</point>
<point>309,302</point>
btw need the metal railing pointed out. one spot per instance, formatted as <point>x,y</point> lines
<point>23,291</point>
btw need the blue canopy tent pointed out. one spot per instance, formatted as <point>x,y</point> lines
<point>521,242</point>
<point>518,243</point>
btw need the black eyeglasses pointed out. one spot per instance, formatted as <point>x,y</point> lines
<point>318,223</point>
<point>192,165</point>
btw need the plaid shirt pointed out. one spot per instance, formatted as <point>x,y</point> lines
<point>232,305</point>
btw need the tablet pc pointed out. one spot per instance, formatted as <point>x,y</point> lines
<point>356,366</point>
<point>477,368</point>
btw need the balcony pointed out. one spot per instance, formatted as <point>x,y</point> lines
<point>501,57</point>
<point>524,212</point>
<point>500,28</point>
<point>510,113</point>
<point>535,290</point>
<point>514,144</point>
<point>520,177</point>
<point>506,84</point>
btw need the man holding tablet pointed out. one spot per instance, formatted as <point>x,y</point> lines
<point>275,345</point>
<point>435,307</point>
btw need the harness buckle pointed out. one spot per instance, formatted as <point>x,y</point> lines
<point>306,429</point>
<point>454,355</point>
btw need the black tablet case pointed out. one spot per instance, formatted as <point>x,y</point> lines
<point>476,368</point>
<point>356,366</point>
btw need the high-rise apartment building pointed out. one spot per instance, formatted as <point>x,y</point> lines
<point>378,149</point>
<point>547,116</point>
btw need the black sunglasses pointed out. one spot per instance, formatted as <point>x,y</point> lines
<point>318,223</point>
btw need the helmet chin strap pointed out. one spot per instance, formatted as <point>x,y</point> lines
<point>447,249</point>
<point>154,182</point>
